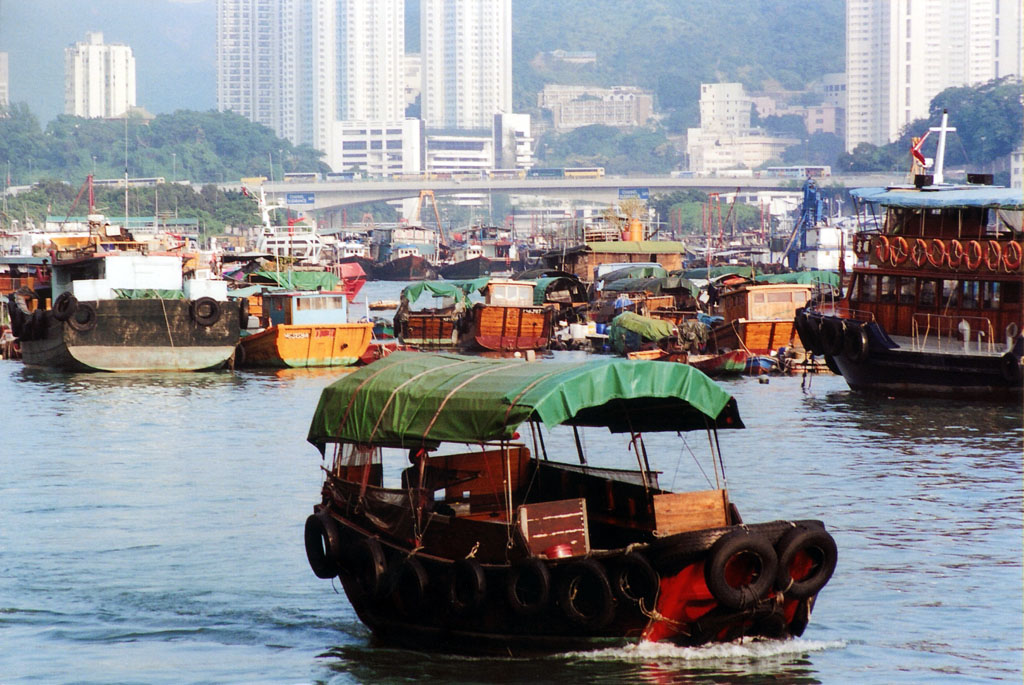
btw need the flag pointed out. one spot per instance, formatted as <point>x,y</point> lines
<point>915,149</point>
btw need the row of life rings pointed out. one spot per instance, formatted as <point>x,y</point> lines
<point>972,254</point>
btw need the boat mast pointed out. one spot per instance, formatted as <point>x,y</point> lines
<point>940,152</point>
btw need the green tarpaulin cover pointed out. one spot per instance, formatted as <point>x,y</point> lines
<point>301,280</point>
<point>458,290</point>
<point>654,286</point>
<point>650,329</point>
<point>148,294</point>
<point>805,277</point>
<point>412,398</point>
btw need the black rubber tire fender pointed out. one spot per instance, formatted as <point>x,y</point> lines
<point>205,311</point>
<point>409,591</point>
<point>832,336</point>
<point>84,318</point>
<point>467,586</point>
<point>368,566</point>
<point>804,331</point>
<point>814,334</point>
<point>64,306</point>
<point>528,586</point>
<point>37,325</point>
<point>819,545</point>
<point>757,551</point>
<point>634,580</point>
<point>855,342</point>
<point>243,313</point>
<point>239,355</point>
<point>585,594</point>
<point>1009,364</point>
<point>323,545</point>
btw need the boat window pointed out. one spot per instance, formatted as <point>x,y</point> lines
<point>888,289</point>
<point>970,296</point>
<point>1010,293</point>
<point>990,295</point>
<point>926,298</point>
<point>907,288</point>
<point>868,289</point>
<point>950,295</point>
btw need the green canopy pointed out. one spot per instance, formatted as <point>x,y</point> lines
<point>412,398</point>
<point>147,294</point>
<point>653,286</point>
<point>704,274</point>
<point>457,290</point>
<point>638,271</point>
<point>804,277</point>
<point>301,280</point>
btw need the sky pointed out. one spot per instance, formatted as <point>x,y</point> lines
<point>174,43</point>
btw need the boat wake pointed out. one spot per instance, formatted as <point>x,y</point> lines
<point>745,649</point>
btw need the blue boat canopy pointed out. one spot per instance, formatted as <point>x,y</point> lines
<point>960,197</point>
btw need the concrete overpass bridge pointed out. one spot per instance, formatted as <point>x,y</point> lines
<point>323,196</point>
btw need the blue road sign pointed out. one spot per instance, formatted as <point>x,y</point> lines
<point>299,198</point>
<point>638,193</point>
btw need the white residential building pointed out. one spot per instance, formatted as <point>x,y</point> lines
<point>724,108</point>
<point>300,66</point>
<point>466,52</point>
<point>513,142</point>
<point>901,53</point>
<point>5,91</point>
<point>575,106</point>
<point>99,79</point>
<point>377,149</point>
<point>1017,168</point>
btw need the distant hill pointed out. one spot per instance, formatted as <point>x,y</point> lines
<point>671,46</point>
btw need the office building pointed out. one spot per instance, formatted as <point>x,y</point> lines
<point>901,54</point>
<point>466,53</point>
<point>575,106</point>
<point>99,79</point>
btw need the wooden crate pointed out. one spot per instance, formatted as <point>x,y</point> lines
<point>546,525</point>
<point>680,512</point>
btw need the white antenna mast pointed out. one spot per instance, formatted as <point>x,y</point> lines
<point>940,153</point>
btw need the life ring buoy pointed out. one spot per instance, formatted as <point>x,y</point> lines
<point>1012,255</point>
<point>955,254</point>
<point>323,545</point>
<point>467,586</point>
<point>919,253</point>
<point>528,586</point>
<point>64,306</point>
<point>84,318</point>
<point>832,333</point>
<point>973,254</point>
<point>899,250</point>
<point>205,311</point>
<point>634,580</point>
<point>740,568</point>
<point>369,567</point>
<point>410,588</point>
<point>882,249</point>
<point>993,255</point>
<point>585,595</point>
<point>937,253</point>
<point>855,343</point>
<point>807,560</point>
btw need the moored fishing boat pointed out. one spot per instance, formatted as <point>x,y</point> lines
<point>758,317</point>
<point>508,320</point>
<point>643,337</point>
<point>438,327</point>
<point>304,328</point>
<point>935,304</point>
<point>491,545</point>
<point>118,307</point>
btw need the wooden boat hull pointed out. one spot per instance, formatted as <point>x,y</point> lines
<point>433,330</point>
<point>135,335</point>
<point>510,329</point>
<point>756,337</point>
<point>411,268</point>
<point>305,345</point>
<point>713,365</point>
<point>883,368</point>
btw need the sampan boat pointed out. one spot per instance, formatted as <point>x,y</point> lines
<point>487,544</point>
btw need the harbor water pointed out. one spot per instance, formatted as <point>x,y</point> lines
<point>151,532</point>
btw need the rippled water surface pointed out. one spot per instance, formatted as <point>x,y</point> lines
<point>151,532</point>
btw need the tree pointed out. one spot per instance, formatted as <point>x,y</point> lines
<point>867,157</point>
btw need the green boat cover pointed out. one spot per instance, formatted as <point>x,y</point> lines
<point>457,290</point>
<point>410,398</point>
<point>635,272</point>
<point>653,286</point>
<point>804,277</point>
<point>301,280</point>
<point>147,294</point>
<point>702,274</point>
<point>648,328</point>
